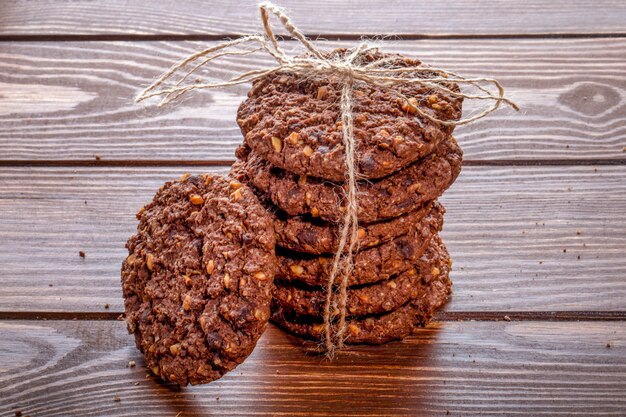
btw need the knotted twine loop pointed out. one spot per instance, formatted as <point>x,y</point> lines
<point>349,69</point>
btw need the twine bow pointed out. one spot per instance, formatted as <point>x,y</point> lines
<point>349,69</point>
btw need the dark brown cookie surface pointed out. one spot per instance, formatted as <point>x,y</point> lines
<point>372,299</point>
<point>378,329</point>
<point>393,196</point>
<point>197,281</point>
<point>295,123</point>
<point>370,265</point>
<point>305,234</point>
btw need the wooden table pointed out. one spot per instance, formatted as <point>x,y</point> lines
<point>536,223</point>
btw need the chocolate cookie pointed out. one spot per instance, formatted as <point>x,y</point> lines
<point>309,235</point>
<point>294,122</point>
<point>376,330</point>
<point>198,278</point>
<point>390,197</point>
<point>371,265</point>
<point>370,299</point>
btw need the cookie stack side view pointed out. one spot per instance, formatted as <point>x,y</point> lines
<point>293,157</point>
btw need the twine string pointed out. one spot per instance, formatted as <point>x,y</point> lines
<point>349,69</point>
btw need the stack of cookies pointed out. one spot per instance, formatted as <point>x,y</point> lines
<point>294,159</point>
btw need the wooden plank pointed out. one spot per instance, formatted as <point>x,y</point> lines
<point>515,234</point>
<point>462,368</point>
<point>73,100</point>
<point>119,17</point>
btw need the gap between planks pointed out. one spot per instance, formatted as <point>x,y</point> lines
<point>552,316</point>
<point>319,36</point>
<point>221,163</point>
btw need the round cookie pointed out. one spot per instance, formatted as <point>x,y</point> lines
<point>372,299</point>
<point>294,122</point>
<point>309,235</point>
<point>198,278</point>
<point>370,265</point>
<point>376,330</point>
<point>393,196</point>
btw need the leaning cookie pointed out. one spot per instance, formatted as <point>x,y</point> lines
<point>305,234</point>
<point>372,299</point>
<point>376,330</point>
<point>294,121</point>
<point>198,278</point>
<point>370,265</point>
<point>389,197</point>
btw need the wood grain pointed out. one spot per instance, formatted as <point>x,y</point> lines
<point>137,17</point>
<point>515,234</point>
<point>72,101</point>
<point>497,369</point>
